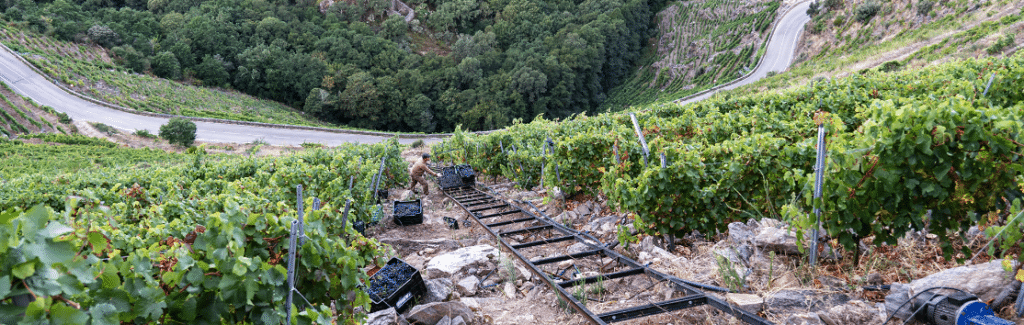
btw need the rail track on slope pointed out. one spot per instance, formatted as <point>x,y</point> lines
<point>530,236</point>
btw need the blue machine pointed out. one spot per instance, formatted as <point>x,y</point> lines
<point>958,308</point>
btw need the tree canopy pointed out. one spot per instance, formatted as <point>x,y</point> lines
<point>481,64</point>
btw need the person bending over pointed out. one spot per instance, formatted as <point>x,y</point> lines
<point>416,173</point>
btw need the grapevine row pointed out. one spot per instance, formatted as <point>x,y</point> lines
<point>200,241</point>
<point>899,145</point>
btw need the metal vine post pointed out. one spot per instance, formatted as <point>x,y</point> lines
<point>819,169</point>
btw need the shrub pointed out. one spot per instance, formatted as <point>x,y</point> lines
<point>417,143</point>
<point>866,11</point>
<point>813,10</point>
<point>179,131</point>
<point>1001,44</point>
<point>63,118</point>
<point>145,134</point>
<point>924,7</point>
<point>109,130</point>
<point>833,4</point>
<point>312,145</point>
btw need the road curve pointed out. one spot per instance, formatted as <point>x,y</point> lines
<point>25,81</point>
<point>779,53</point>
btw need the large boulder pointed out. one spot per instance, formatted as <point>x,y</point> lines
<point>448,264</point>
<point>983,280</point>
<point>432,313</point>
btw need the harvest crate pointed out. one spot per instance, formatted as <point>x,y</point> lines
<point>397,284</point>
<point>408,213</point>
<point>467,174</point>
<point>449,178</point>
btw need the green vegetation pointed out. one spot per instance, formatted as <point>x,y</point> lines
<point>145,134</point>
<point>109,130</point>
<point>867,10</point>
<point>17,115</point>
<point>88,69</point>
<point>73,139</point>
<point>179,131</point>
<point>81,154</point>
<point>196,239</point>
<point>899,144</point>
<point>478,64</point>
<point>846,45</point>
<point>701,44</point>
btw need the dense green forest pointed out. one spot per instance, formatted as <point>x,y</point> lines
<point>360,63</point>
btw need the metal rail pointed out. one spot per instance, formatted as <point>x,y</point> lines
<point>506,219</point>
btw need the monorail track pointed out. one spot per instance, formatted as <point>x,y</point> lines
<point>524,233</point>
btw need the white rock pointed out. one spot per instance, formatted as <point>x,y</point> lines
<point>445,265</point>
<point>510,290</point>
<point>472,303</point>
<point>468,285</point>
<point>985,280</point>
<point>384,317</point>
<point>750,303</point>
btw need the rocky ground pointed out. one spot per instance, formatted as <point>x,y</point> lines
<point>469,280</point>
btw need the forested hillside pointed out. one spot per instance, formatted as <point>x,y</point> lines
<point>478,64</point>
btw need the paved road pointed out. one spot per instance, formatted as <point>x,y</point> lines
<point>16,74</point>
<point>780,52</point>
<point>25,81</point>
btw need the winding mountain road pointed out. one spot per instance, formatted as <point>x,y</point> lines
<point>24,80</point>
<point>779,53</point>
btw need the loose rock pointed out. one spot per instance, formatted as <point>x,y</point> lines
<point>855,312</point>
<point>983,280</point>
<point>793,301</point>
<point>750,303</point>
<point>383,317</point>
<point>438,290</point>
<point>803,319</point>
<point>448,264</point>
<point>432,313</point>
<point>740,233</point>
<point>467,286</point>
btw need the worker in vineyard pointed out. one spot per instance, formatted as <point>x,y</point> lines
<point>416,173</point>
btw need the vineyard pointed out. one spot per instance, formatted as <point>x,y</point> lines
<point>899,145</point>
<point>92,71</point>
<point>146,237</point>
<point>702,44</point>
<point>23,116</point>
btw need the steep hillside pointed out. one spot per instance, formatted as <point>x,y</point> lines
<point>19,115</point>
<point>428,66</point>
<point>699,44</point>
<point>850,36</point>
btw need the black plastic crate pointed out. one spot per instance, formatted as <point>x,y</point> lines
<point>467,174</point>
<point>408,213</point>
<point>449,178</point>
<point>397,284</point>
